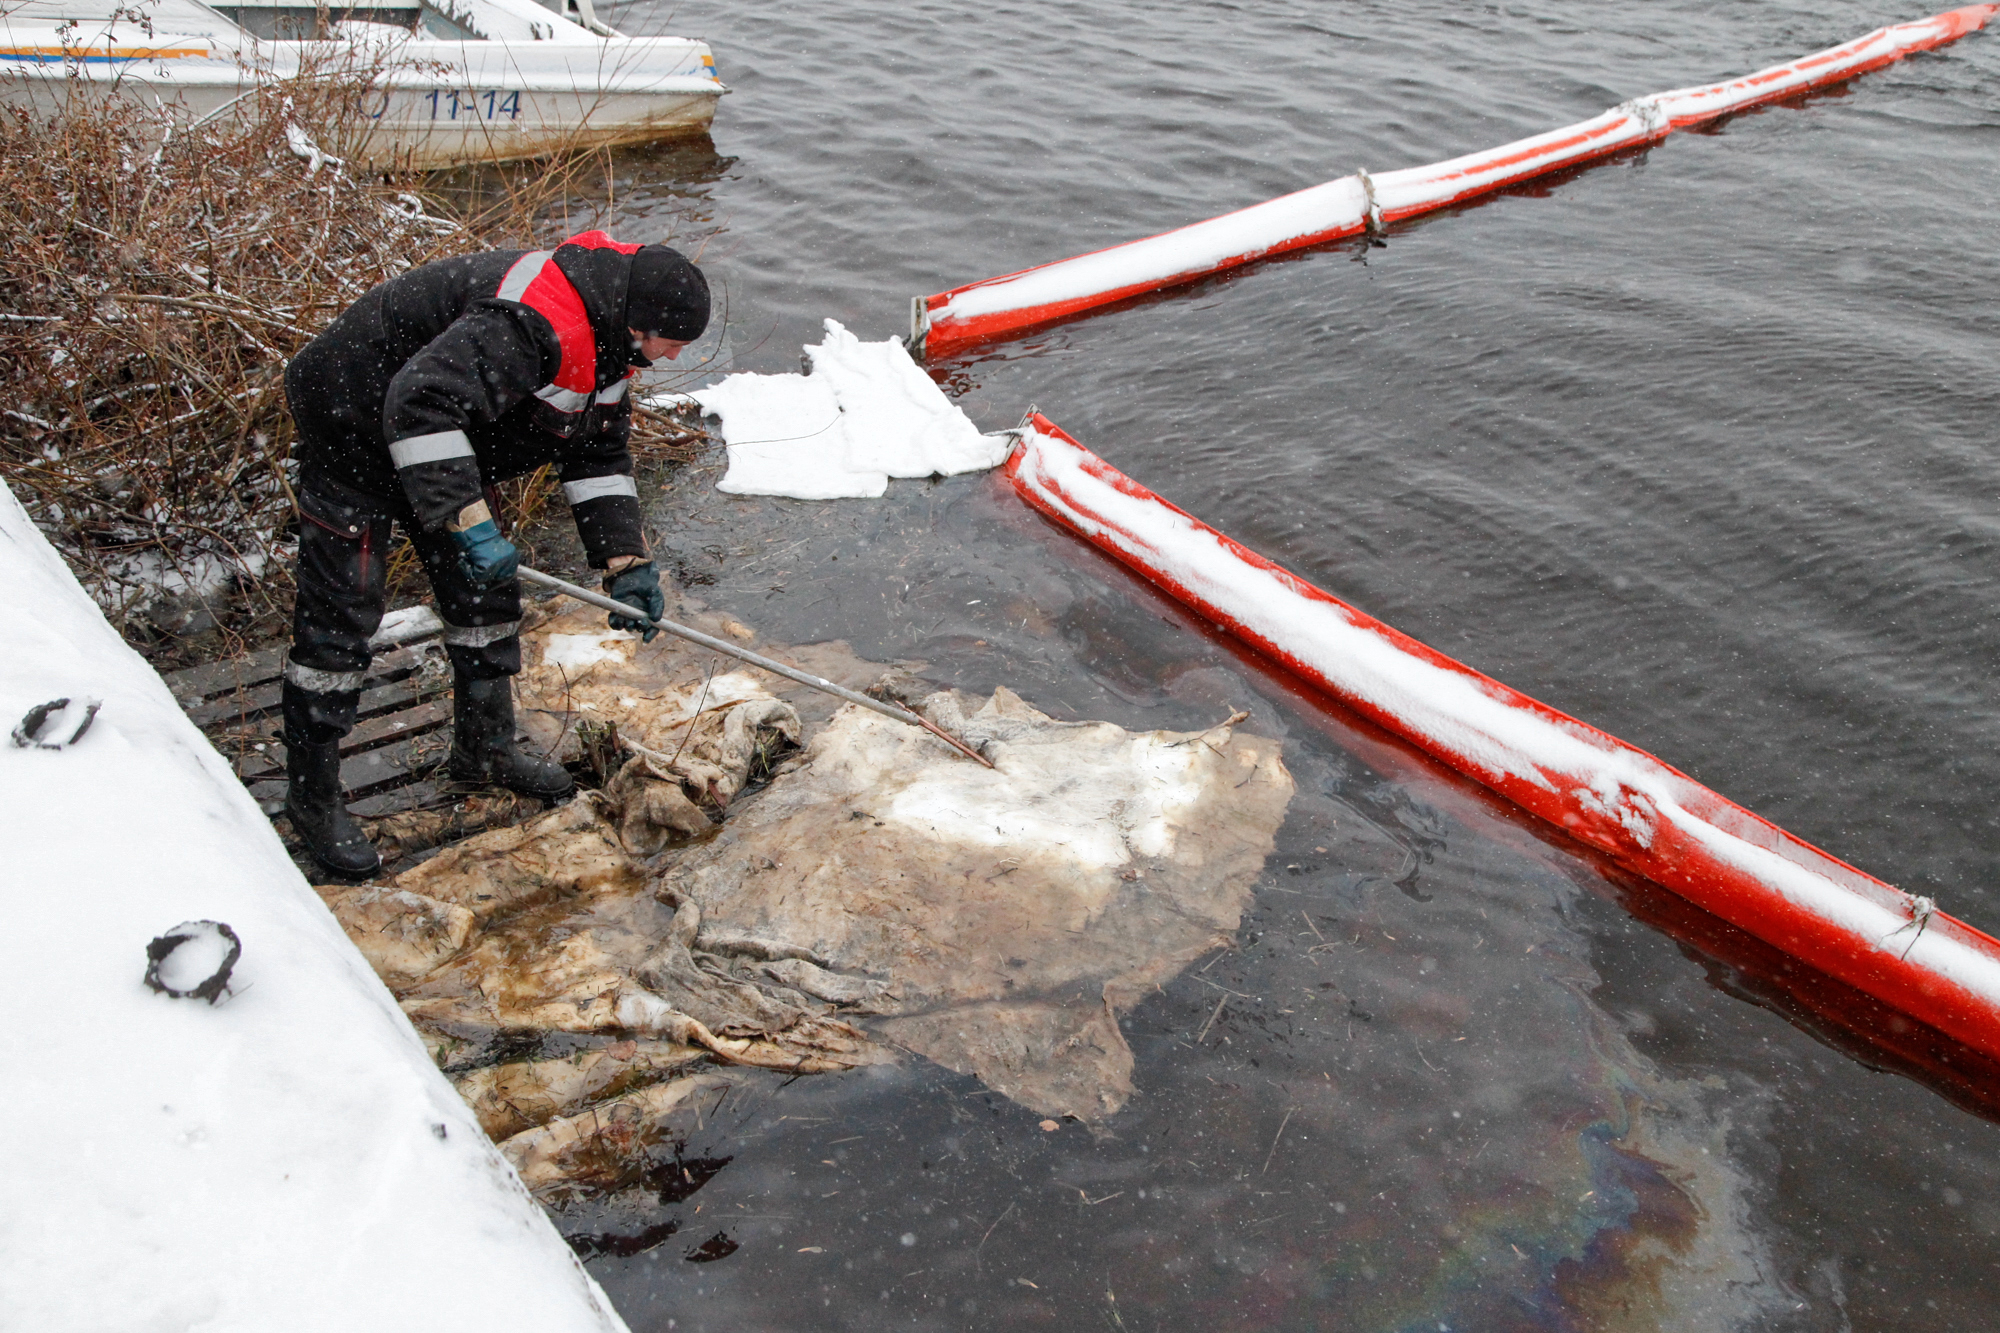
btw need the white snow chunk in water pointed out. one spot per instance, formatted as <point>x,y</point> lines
<point>866,413</point>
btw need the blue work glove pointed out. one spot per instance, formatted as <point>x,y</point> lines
<point>638,586</point>
<point>488,559</point>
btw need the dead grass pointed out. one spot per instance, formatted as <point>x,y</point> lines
<point>157,277</point>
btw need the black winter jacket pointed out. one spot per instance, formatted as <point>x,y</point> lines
<point>433,361</point>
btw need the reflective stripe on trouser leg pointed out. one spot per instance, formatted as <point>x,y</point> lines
<point>314,717</point>
<point>483,652</point>
<point>315,681</point>
<point>341,592</point>
<point>596,488</point>
<point>480,636</point>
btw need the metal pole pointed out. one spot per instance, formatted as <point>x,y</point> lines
<point>758,660</point>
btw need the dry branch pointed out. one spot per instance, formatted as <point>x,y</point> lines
<point>157,277</point>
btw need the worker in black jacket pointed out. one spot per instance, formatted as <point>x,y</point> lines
<point>431,388</point>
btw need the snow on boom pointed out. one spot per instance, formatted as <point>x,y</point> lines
<point>1645,816</point>
<point>1003,307</point>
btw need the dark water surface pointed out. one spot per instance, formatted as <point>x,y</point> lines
<point>1695,445</point>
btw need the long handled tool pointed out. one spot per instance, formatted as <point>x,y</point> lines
<point>896,711</point>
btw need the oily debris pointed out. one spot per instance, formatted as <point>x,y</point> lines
<point>1013,912</point>
<point>406,833</point>
<point>593,973</point>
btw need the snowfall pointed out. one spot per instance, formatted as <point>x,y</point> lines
<point>285,1155</point>
<point>285,1158</point>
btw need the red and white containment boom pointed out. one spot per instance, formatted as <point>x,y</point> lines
<point>1641,814</point>
<point>1003,307</point>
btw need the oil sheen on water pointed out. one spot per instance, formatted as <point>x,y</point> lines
<point>1696,445</point>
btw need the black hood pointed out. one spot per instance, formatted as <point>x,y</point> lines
<point>668,295</point>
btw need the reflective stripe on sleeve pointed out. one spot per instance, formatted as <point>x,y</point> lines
<point>596,488</point>
<point>433,448</point>
<point>315,681</point>
<point>478,636</point>
<point>563,400</point>
<point>524,271</point>
<point>615,393</point>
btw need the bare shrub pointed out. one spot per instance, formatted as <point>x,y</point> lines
<point>158,276</point>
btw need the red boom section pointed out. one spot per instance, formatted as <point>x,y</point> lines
<point>1005,306</point>
<point>1643,815</point>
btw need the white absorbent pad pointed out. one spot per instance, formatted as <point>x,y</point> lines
<point>864,414</point>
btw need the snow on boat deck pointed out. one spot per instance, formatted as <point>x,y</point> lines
<point>287,1158</point>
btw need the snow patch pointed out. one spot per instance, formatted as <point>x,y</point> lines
<point>864,414</point>
<point>582,650</point>
<point>405,625</point>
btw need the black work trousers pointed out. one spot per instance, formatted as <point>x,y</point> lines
<point>343,592</point>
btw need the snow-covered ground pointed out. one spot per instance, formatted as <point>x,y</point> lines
<point>286,1158</point>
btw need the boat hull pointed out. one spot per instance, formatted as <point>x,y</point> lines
<point>433,104</point>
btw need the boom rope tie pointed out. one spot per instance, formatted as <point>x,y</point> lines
<point>1922,909</point>
<point>1371,210</point>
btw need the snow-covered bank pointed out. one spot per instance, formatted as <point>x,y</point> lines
<point>287,1158</point>
<point>865,414</point>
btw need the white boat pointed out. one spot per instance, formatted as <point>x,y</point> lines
<point>460,80</point>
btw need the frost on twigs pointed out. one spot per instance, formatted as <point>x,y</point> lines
<point>305,149</point>
<point>157,277</point>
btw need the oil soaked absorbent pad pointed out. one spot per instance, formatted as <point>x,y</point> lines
<point>1013,912</point>
<point>865,414</point>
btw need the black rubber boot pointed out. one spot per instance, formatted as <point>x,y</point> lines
<point>320,817</point>
<point>482,743</point>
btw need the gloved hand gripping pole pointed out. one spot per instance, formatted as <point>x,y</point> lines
<point>758,660</point>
